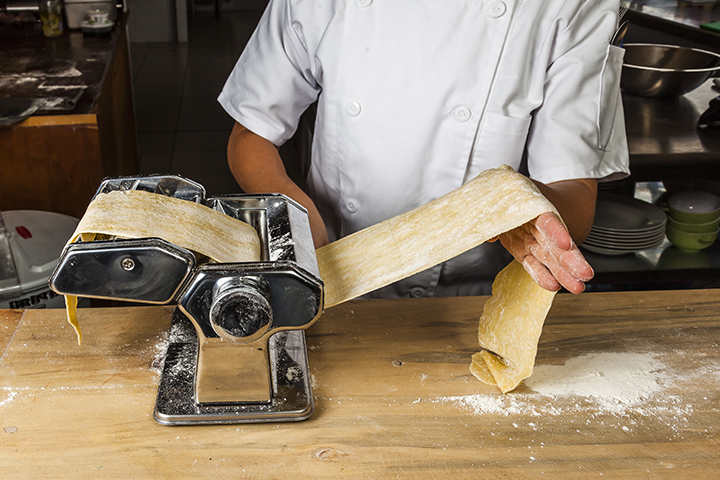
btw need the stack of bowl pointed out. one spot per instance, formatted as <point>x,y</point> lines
<point>693,220</point>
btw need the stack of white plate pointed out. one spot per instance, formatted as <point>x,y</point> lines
<point>625,225</point>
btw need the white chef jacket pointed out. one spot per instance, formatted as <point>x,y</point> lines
<point>416,97</point>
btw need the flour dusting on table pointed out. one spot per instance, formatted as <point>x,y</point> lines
<point>614,381</point>
<point>159,353</point>
<point>601,383</point>
<point>11,396</point>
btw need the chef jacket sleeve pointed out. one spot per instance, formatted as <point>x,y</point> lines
<point>274,79</point>
<point>579,130</point>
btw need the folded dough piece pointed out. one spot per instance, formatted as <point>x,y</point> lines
<point>510,328</point>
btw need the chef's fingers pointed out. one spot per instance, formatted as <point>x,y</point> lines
<point>540,273</point>
<point>552,235</point>
<point>550,265</point>
<point>566,265</point>
<point>520,242</point>
<point>574,261</point>
<point>555,265</point>
<point>553,229</point>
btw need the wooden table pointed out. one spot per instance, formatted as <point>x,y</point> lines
<point>384,374</point>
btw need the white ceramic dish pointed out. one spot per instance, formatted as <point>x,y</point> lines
<point>626,248</point>
<point>96,28</point>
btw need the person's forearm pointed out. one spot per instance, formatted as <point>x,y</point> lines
<point>575,200</point>
<point>257,167</point>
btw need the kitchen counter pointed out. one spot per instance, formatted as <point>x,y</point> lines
<point>665,145</point>
<point>664,141</point>
<point>55,159</point>
<point>32,66</point>
<point>660,267</point>
<point>690,13</point>
<point>393,396</point>
<point>681,19</point>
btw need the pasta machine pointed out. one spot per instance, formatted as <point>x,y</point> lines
<point>236,351</point>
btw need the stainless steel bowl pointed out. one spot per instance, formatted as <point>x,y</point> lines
<point>665,70</point>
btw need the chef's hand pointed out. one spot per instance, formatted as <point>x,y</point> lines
<point>548,253</point>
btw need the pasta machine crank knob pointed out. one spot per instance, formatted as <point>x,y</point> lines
<point>240,311</point>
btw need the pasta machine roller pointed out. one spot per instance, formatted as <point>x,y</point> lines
<point>236,350</point>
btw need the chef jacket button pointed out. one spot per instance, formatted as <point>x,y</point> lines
<point>353,109</point>
<point>461,114</point>
<point>363,3</point>
<point>497,9</point>
<point>417,292</point>
<point>352,206</point>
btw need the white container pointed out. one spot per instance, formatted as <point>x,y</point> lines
<point>78,11</point>
<point>35,241</point>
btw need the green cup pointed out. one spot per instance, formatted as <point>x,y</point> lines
<point>694,207</point>
<point>708,227</point>
<point>690,241</point>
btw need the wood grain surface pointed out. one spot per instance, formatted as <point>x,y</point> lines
<point>9,320</point>
<point>393,398</point>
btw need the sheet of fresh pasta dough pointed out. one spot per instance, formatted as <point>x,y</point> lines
<point>140,214</point>
<point>495,202</point>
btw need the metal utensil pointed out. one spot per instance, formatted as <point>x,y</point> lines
<point>15,110</point>
<point>619,36</point>
<point>624,7</point>
<point>59,103</point>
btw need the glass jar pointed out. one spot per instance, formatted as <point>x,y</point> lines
<point>51,17</point>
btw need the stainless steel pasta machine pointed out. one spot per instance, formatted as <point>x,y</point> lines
<point>236,351</point>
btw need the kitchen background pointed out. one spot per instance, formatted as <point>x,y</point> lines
<point>182,52</point>
<point>181,128</point>
<point>164,101</point>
